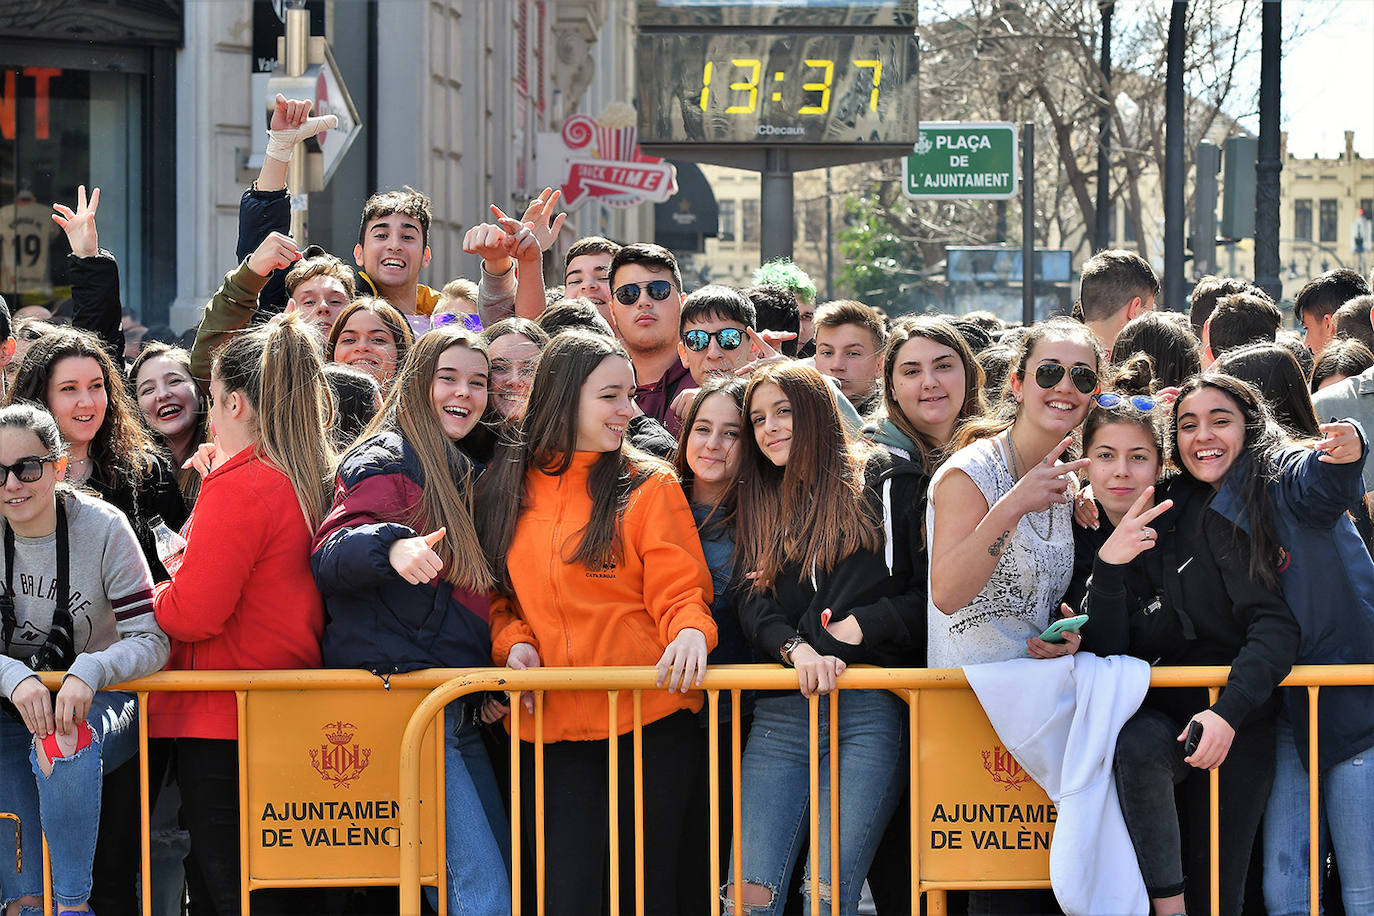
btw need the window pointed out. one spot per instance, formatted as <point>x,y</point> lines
<point>726,230</point>
<point>1302,220</point>
<point>1330,208</point>
<point>750,229</point>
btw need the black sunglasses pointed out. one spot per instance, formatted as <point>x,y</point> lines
<point>28,470</point>
<point>1110,399</point>
<point>697,340</point>
<point>629,293</point>
<point>1047,375</point>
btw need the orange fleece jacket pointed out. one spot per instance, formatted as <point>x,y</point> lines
<point>624,614</point>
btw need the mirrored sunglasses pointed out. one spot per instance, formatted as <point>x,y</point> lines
<point>697,340</point>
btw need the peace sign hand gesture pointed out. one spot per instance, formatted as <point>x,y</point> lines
<point>1134,535</point>
<point>767,353</point>
<point>1044,485</point>
<point>80,225</point>
<point>539,218</point>
<point>1341,445</point>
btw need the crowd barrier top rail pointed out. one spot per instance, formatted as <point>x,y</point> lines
<point>718,677</point>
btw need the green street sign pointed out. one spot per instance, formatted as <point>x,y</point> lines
<point>962,160</point>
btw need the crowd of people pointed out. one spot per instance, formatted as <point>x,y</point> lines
<point>355,470</point>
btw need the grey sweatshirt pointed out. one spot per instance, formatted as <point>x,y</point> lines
<point>111,593</point>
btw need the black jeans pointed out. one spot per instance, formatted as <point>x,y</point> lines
<point>575,817</point>
<point>1148,766</point>
<point>208,771</point>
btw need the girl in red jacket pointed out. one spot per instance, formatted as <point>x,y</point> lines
<point>244,596</point>
<point>597,563</point>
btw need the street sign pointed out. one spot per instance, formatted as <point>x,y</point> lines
<point>961,160</point>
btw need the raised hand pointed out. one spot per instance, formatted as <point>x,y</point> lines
<point>1134,535</point>
<point>276,252</point>
<point>767,353</point>
<point>539,216</point>
<point>488,241</point>
<point>291,123</point>
<point>1341,445</point>
<point>414,558</point>
<point>1044,485</point>
<point>80,225</point>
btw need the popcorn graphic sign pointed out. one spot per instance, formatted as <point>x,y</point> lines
<point>604,162</point>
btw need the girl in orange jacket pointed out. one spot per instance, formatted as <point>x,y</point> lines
<point>598,563</point>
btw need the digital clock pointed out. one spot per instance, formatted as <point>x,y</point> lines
<point>759,87</point>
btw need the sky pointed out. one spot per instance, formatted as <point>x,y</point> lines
<point>1328,78</point>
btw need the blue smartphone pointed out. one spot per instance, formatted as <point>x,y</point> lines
<point>1054,632</point>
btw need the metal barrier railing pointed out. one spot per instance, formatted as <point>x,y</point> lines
<point>445,685</point>
<point>907,683</point>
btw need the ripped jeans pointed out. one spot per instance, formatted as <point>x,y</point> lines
<point>67,802</point>
<point>774,791</point>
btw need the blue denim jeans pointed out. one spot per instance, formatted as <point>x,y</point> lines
<point>477,829</point>
<point>67,803</point>
<point>774,789</point>
<point>1345,801</point>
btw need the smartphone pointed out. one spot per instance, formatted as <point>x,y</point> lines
<point>1054,632</point>
<point>1193,739</point>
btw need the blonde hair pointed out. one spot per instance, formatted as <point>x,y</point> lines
<point>280,370</point>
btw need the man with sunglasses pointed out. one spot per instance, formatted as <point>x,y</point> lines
<point>714,339</point>
<point>646,303</point>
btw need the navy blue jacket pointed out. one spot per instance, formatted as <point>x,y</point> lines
<point>1328,580</point>
<point>374,618</point>
<point>260,214</point>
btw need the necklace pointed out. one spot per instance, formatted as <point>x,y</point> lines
<point>1015,476</point>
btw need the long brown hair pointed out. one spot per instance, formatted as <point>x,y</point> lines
<point>1263,439</point>
<point>941,332</point>
<point>546,440</point>
<point>188,479</point>
<point>123,451</point>
<point>280,370</point>
<point>731,387</point>
<point>1003,415</point>
<point>446,495</point>
<point>812,511</point>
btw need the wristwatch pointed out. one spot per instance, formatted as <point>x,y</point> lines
<point>788,648</point>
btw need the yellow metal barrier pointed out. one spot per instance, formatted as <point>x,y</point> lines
<point>424,694</point>
<point>911,684</point>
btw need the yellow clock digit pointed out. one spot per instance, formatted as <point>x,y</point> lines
<point>877,67</point>
<point>705,85</point>
<point>823,87</point>
<point>750,85</point>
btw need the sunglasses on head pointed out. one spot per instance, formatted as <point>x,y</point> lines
<point>697,340</point>
<point>1047,375</point>
<point>629,293</point>
<point>28,470</point>
<point>1110,399</point>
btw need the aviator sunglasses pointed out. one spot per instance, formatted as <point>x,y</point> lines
<point>1047,375</point>
<point>28,470</point>
<point>1110,399</point>
<point>629,293</point>
<point>697,340</point>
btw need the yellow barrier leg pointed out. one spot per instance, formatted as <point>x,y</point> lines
<point>1214,822</point>
<point>813,857</point>
<point>639,804</point>
<point>935,904</point>
<point>736,771</point>
<point>441,812</point>
<point>515,857</point>
<point>834,806</point>
<point>145,816</point>
<point>713,786</point>
<point>613,796</point>
<point>1313,838</point>
<point>244,887</point>
<point>912,698</point>
<point>540,799</point>
<point>47,876</point>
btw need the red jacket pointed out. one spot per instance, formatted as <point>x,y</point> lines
<point>244,597</point>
